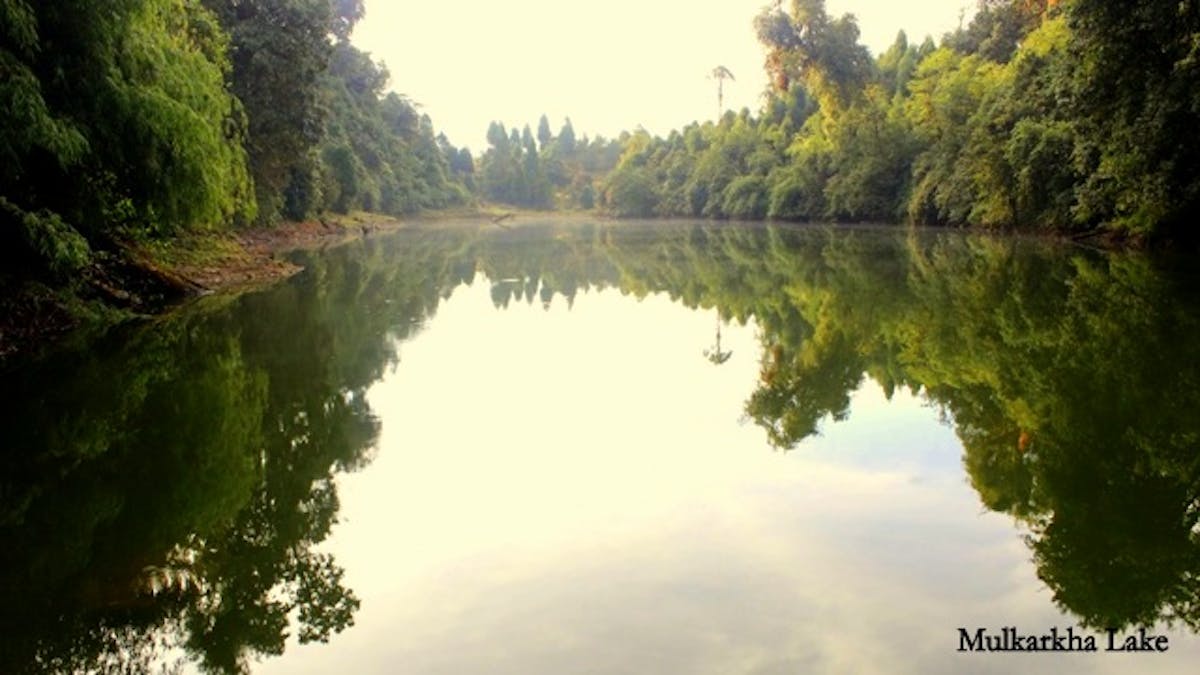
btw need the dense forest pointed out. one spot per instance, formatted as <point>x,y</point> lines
<point>1068,116</point>
<point>147,119</point>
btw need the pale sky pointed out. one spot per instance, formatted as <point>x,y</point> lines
<point>609,66</point>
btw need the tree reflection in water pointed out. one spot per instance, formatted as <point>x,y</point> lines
<point>163,489</point>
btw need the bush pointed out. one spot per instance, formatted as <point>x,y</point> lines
<point>746,198</point>
<point>632,193</point>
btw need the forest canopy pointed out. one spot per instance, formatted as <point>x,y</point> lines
<point>136,120</point>
<point>1072,116</point>
<point>152,118</point>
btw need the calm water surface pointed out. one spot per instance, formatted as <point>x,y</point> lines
<point>668,448</point>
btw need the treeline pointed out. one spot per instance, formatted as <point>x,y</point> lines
<point>148,118</point>
<point>545,171</point>
<point>1064,116</point>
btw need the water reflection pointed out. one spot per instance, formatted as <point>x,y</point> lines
<point>165,490</point>
<point>1070,378</point>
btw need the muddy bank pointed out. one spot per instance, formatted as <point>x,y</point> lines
<point>131,280</point>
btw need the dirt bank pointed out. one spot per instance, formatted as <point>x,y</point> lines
<point>143,279</point>
<point>131,280</point>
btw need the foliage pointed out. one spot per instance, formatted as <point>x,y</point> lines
<point>997,29</point>
<point>154,119</point>
<point>116,122</point>
<point>341,142</point>
<point>379,154</point>
<point>57,245</point>
<point>1036,115</point>
<point>693,172</point>
<point>1138,108</point>
<point>555,171</point>
<point>279,51</point>
<point>805,44</point>
<point>630,192</point>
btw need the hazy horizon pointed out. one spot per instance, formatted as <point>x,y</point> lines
<point>632,64</point>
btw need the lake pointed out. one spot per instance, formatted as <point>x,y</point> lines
<point>621,448</point>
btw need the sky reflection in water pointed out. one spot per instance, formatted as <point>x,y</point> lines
<point>577,490</point>
<point>517,445</point>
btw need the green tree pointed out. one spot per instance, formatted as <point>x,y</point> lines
<point>566,137</point>
<point>280,50</point>
<point>997,28</point>
<point>874,150</point>
<point>379,153</point>
<point>630,192</point>
<point>746,198</point>
<point>1139,108</point>
<point>805,44</point>
<point>948,92</point>
<point>543,133</point>
<point>116,123</point>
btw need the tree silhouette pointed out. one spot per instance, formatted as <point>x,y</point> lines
<point>715,355</point>
<point>720,74</point>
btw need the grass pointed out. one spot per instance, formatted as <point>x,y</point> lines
<point>200,249</point>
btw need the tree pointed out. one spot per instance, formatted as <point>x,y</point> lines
<point>496,134</point>
<point>566,137</point>
<point>745,198</point>
<point>716,355</point>
<point>997,28</point>
<point>805,44</point>
<point>720,74</point>
<point>543,133</point>
<point>116,123</point>
<point>1140,108</point>
<point>536,188</point>
<point>346,13</point>
<point>630,192</point>
<point>280,50</point>
<point>948,91</point>
<point>379,153</point>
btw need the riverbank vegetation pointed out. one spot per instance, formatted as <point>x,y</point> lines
<point>139,121</point>
<point>547,171</point>
<point>1073,116</point>
<point>130,128</point>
